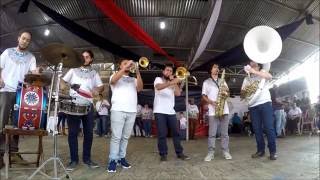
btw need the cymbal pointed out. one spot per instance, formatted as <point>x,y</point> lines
<point>38,79</point>
<point>55,53</point>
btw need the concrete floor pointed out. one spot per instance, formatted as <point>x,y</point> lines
<point>298,159</point>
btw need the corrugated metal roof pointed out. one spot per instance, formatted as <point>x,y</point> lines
<point>296,4</point>
<point>253,13</point>
<point>308,33</point>
<point>176,8</point>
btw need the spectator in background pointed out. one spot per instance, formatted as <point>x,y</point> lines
<point>278,110</point>
<point>236,123</point>
<point>138,124</point>
<point>146,114</point>
<point>317,115</point>
<point>193,117</point>
<point>247,125</point>
<point>305,103</point>
<point>296,100</point>
<point>294,117</point>
<point>183,125</point>
<point>103,124</point>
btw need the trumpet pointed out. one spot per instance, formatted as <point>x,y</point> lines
<point>143,62</point>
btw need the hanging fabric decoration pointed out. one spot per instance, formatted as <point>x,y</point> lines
<point>119,17</point>
<point>207,33</point>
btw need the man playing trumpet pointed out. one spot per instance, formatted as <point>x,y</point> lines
<point>124,102</point>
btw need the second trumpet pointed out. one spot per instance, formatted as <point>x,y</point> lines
<point>143,62</point>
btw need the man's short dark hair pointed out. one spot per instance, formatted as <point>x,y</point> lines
<point>89,52</point>
<point>24,31</point>
<point>168,65</point>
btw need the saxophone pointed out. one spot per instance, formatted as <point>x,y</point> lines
<point>222,96</point>
<point>249,90</point>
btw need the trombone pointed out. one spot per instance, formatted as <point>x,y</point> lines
<point>183,74</point>
<point>143,62</point>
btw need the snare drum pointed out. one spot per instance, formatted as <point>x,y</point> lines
<point>30,110</point>
<point>68,107</point>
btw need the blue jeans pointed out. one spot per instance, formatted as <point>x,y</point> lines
<point>165,121</point>
<point>74,126</point>
<point>121,128</point>
<point>61,117</point>
<point>103,125</point>
<point>280,120</point>
<point>262,121</point>
<point>147,126</point>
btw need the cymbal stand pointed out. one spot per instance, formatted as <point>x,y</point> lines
<point>56,160</point>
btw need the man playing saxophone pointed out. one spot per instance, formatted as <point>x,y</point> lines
<point>215,93</point>
<point>260,109</point>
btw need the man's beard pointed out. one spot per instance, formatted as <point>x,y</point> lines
<point>166,77</point>
<point>22,48</point>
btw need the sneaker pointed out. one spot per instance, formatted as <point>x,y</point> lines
<point>257,155</point>
<point>183,157</point>
<point>91,164</point>
<point>227,155</point>
<point>71,166</point>
<point>273,156</point>
<point>124,163</point>
<point>112,166</point>
<point>163,158</point>
<point>209,156</point>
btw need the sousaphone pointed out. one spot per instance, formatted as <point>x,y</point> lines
<point>262,44</point>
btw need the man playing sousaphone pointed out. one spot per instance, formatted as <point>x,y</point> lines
<point>260,109</point>
<point>84,82</point>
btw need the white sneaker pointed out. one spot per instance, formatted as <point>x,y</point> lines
<point>209,156</point>
<point>227,155</point>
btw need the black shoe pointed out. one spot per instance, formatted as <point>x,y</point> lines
<point>273,156</point>
<point>183,157</point>
<point>71,166</point>
<point>257,155</point>
<point>163,158</point>
<point>91,164</point>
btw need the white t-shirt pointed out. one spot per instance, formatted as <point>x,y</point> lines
<point>163,99</point>
<point>139,109</point>
<point>210,89</point>
<point>193,111</point>
<point>15,65</point>
<point>124,94</point>
<point>264,94</point>
<point>183,123</point>
<point>293,113</point>
<point>102,107</point>
<point>87,78</point>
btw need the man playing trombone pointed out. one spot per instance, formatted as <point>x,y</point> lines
<point>166,88</point>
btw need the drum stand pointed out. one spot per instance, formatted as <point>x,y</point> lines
<point>56,160</point>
